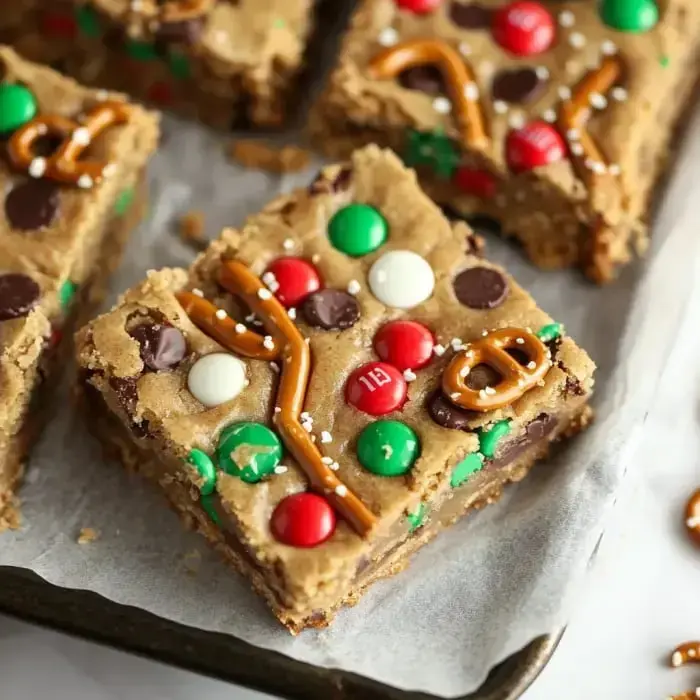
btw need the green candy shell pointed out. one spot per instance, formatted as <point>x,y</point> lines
<point>66,294</point>
<point>550,332</point>
<point>141,50</point>
<point>88,21</point>
<point>124,201</point>
<point>208,505</point>
<point>417,518</point>
<point>388,448</point>
<point>471,464</point>
<point>357,229</point>
<point>250,451</point>
<point>489,439</point>
<point>206,470</point>
<point>17,107</point>
<point>179,65</point>
<point>633,16</point>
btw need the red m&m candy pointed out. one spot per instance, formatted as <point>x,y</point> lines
<point>524,28</point>
<point>303,520</point>
<point>404,344</point>
<point>376,388</point>
<point>292,280</point>
<point>420,7</point>
<point>476,181</point>
<point>535,145</point>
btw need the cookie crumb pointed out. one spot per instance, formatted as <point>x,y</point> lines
<point>191,229</point>
<point>192,561</point>
<point>10,518</point>
<point>87,535</point>
<point>260,155</point>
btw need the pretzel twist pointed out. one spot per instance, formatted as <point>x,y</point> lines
<point>64,164</point>
<point>588,160</point>
<point>686,653</point>
<point>692,517</point>
<point>458,75</point>
<point>295,357</point>
<point>491,350</point>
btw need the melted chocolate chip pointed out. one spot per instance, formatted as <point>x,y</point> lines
<point>126,391</point>
<point>470,15</point>
<point>482,376</point>
<point>480,288</point>
<point>32,204</point>
<point>446,414</point>
<point>517,86</point>
<point>427,79</point>
<point>19,294</point>
<point>573,387</point>
<point>536,431</point>
<point>162,346</point>
<point>331,309</point>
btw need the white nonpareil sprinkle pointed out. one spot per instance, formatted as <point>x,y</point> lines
<point>464,372</point>
<point>471,91</point>
<point>109,169</point>
<point>274,367</point>
<point>573,134</point>
<point>292,313</point>
<point>354,287</point>
<point>220,314</point>
<point>457,344</point>
<point>101,95</point>
<point>516,120</point>
<point>564,92</point>
<point>484,333</point>
<point>335,466</point>
<point>442,105</point>
<point>464,48</point>
<point>619,94</point>
<point>409,375</point>
<point>198,293</point>
<point>597,100</point>
<point>268,343</point>
<point>608,48</point>
<point>482,393</point>
<point>500,107</point>
<point>531,365</point>
<point>281,469</point>
<point>305,415</point>
<point>490,391</point>
<point>693,522</point>
<point>81,136</point>
<point>341,490</point>
<point>549,115</point>
<point>277,409</point>
<point>326,437</point>
<point>307,426</point>
<point>388,36</point>
<point>264,294</point>
<point>520,341</point>
<point>37,167</point>
<point>240,328</point>
<point>567,18</point>
<point>577,149</point>
<point>614,169</point>
<point>85,182</point>
<point>691,653</point>
<point>577,40</point>
<point>439,350</point>
<point>597,167</point>
<point>677,659</point>
<point>542,72</point>
<point>326,460</point>
<point>288,244</point>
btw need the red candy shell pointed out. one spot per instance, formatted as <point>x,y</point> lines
<point>533,146</point>
<point>524,28</point>
<point>303,520</point>
<point>376,388</point>
<point>58,25</point>
<point>420,7</point>
<point>480,183</point>
<point>296,278</point>
<point>404,344</point>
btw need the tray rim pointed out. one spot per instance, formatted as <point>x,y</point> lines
<point>87,615</point>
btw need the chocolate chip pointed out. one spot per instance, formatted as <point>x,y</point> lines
<point>573,387</point>
<point>482,223</point>
<point>471,15</point>
<point>186,32</point>
<point>536,431</point>
<point>519,85</point>
<point>125,389</point>
<point>162,346</point>
<point>19,294</point>
<point>446,414</point>
<point>426,79</point>
<point>480,288</point>
<point>482,376</point>
<point>331,309</point>
<point>32,204</point>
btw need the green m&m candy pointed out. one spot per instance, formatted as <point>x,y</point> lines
<point>250,451</point>
<point>66,294</point>
<point>629,15</point>
<point>489,439</point>
<point>141,50</point>
<point>206,470</point>
<point>417,517</point>
<point>17,107</point>
<point>550,332</point>
<point>471,464</point>
<point>357,229</point>
<point>388,448</point>
<point>124,201</point>
<point>88,21</point>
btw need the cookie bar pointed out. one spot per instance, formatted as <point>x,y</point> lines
<point>228,64</point>
<point>332,384</point>
<point>553,118</point>
<point>63,221</point>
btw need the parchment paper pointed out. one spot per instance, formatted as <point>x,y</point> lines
<point>483,589</point>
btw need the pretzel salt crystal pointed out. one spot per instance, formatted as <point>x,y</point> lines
<point>64,164</point>
<point>295,357</point>
<point>491,350</point>
<point>459,78</point>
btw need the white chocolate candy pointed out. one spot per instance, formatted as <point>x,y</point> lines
<point>217,378</point>
<point>401,279</point>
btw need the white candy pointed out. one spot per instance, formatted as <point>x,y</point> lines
<point>217,378</point>
<point>401,279</point>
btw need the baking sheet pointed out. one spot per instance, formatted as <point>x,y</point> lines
<point>477,594</point>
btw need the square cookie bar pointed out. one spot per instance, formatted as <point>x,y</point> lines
<point>63,221</point>
<point>553,118</point>
<point>228,64</point>
<point>331,385</point>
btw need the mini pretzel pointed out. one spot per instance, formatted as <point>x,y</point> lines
<point>688,652</point>
<point>295,357</point>
<point>492,350</point>
<point>688,695</point>
<point>587,158</point>
<point>459,78</point>
<point>64,165</point>
<point>692,517</point>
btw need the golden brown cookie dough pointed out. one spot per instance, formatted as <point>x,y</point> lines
<point>286,391</point>
<point>560,132</point>
<point>227,64</point>
<point>58,241</point>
